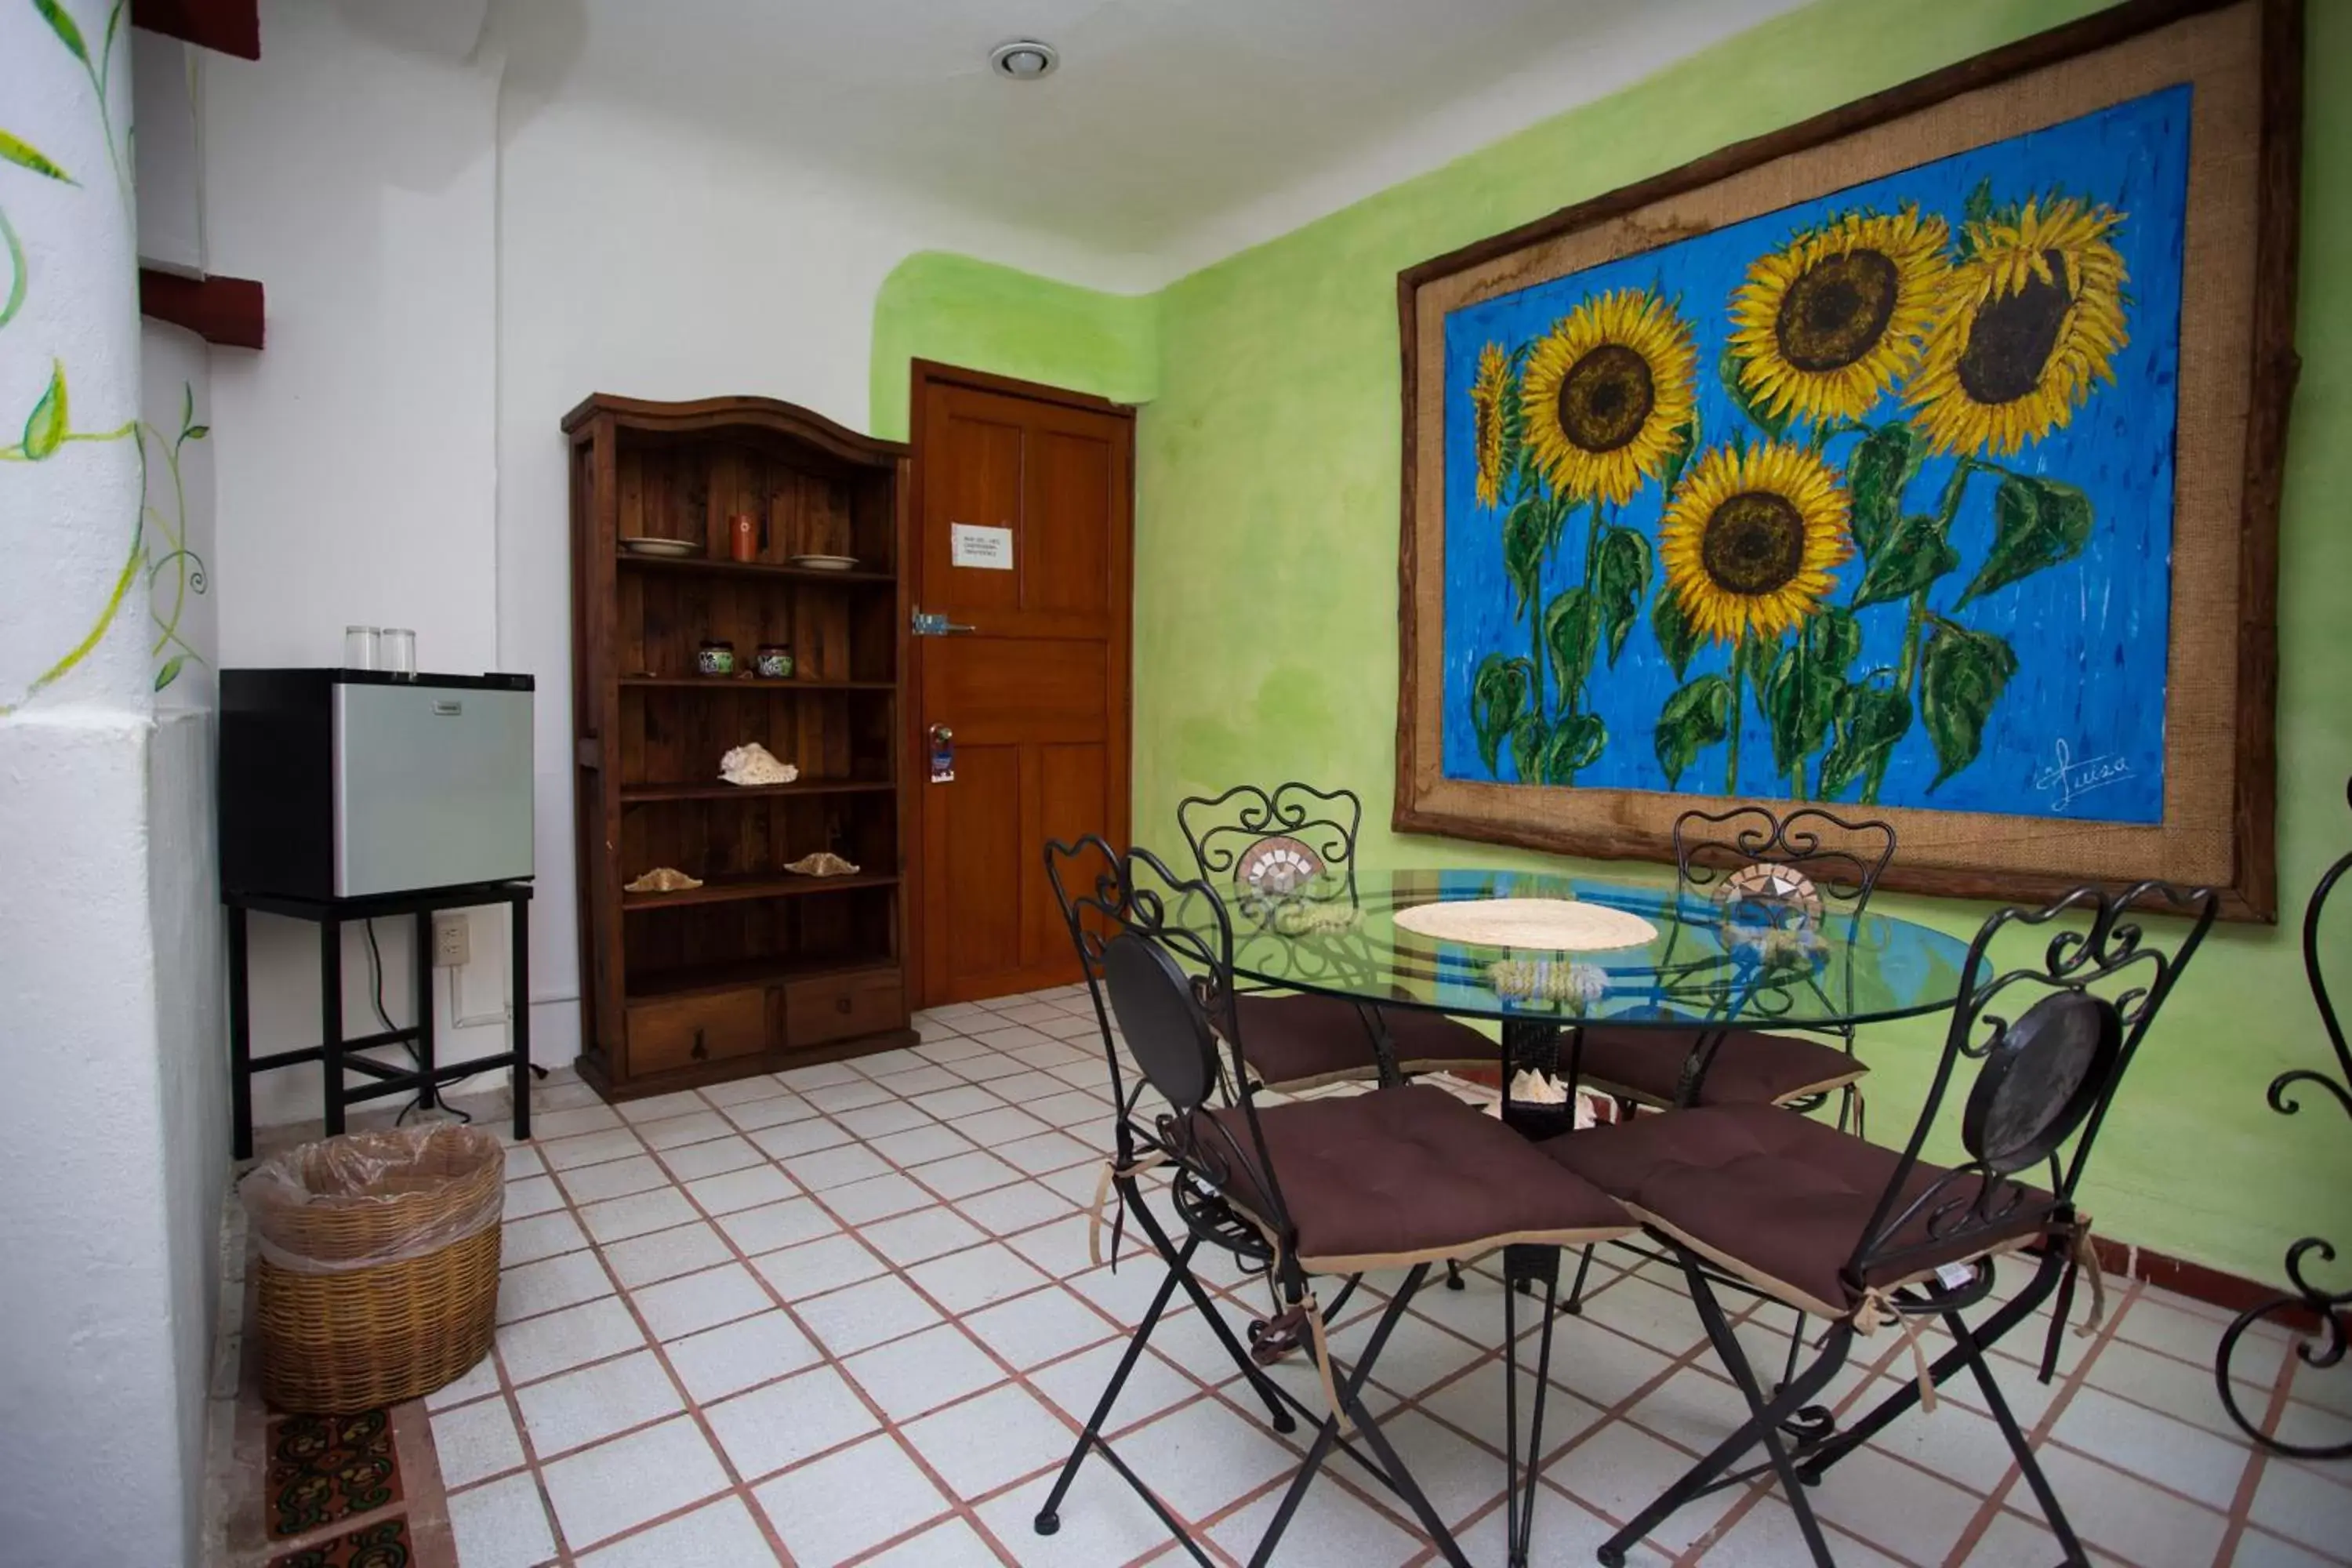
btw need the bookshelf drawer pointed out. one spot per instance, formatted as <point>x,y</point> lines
<point>841,1006</point>
<point>688,1029</point>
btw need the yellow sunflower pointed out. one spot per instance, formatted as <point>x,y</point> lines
<point>1825,326</point>
<point>1487,394</point>
<point>2028,322</point>
<point>1606,390</point>
<point>1750,540</point>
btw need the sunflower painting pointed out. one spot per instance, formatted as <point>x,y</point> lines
<point>1866,499</point>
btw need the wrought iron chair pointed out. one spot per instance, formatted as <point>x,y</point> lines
<point>1766,1200</point>
<point>1395,1178</point>
<point>1790,874</point>
<point>1267,849</point>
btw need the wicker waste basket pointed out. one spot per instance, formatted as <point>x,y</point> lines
<point>379,1264</point>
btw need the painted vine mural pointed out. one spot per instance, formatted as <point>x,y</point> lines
<point>49,426</point>
<point>1868,500</point>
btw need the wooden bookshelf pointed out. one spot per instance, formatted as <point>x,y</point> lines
<point>758,968</point>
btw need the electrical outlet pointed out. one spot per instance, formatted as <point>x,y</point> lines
<point>452,946</point>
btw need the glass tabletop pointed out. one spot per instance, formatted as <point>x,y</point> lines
<point>1705,961</point>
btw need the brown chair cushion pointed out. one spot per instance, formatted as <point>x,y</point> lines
<point>1300,1041</point>
<point>1750,1068</point>
<point>1402,1176</point>
<point>1775,1197</point>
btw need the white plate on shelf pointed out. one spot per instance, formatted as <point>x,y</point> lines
<point>668,548</point>
<point>826,562</point>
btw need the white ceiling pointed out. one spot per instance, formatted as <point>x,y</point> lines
<point>1175,131</point>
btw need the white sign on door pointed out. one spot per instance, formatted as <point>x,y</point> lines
<point>990,549</point>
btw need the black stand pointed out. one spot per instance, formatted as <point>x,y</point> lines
<point>333,1051</point>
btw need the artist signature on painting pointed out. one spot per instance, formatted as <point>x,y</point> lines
<point>2068,778</point>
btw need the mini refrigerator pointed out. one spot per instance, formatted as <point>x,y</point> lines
<point>345,784</point>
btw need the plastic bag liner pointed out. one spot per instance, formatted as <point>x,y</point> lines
<point>365,1199</point>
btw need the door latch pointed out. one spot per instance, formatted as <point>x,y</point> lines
<point>942,754</point>
<point>931,624</point>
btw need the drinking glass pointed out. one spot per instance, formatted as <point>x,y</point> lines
<point>400,650</point>
<point>359,647</point>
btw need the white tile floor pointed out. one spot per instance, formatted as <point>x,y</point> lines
<point>846,1314</point>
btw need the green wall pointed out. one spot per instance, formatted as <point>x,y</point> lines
<point>939,306</point>
<point>1266,569</point>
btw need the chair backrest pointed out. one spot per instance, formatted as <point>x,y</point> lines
<point>1263,843</point>
<point>1734,855</point>
<point>2051,1042</point>
<point>1158,953</point>
<point>1775,880</point>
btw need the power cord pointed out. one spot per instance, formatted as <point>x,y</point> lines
<point>375,979</point>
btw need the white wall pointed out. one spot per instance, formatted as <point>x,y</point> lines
<point>456,253</point>
<point>638,256</point>
<point>355,455</point>
<point>170,158</point>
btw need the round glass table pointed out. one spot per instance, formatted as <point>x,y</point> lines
<point>1706,965</point>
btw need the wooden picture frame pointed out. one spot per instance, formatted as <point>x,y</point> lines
<point>2235,360</point>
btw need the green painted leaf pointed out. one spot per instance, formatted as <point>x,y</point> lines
<point>1695,717</point>
<point>1731,368</point>
<point>113,26</point>
<point>1678,639</point>
<point>1961,676</point>
<point>1870,720</point>
<point>1977,208</point>
<point>2037,524</point>
<point>1498,695</point>
<point>171,670</point>
<point>63,26</point>
<point>1882,465</point>
<point>196,432</point>
<point>1576,742</point>
<point>187,405</point>
<point>1800,691</point>
<point>1912,557</point>
<point>46,427</point>
<point>1527,737</point>
<point>1572,630</point>
<point>1523,550</point>
<point>1832,638</point>
<point>25,155</point>
<point>15,248</point>
<point>1621,575</point>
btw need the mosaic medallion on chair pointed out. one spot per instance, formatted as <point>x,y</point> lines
<point>385,1545</point>
<point>323,1468</point>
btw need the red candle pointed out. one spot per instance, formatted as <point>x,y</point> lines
<point>743,536</point>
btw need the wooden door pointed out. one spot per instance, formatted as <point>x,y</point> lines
<point>1037,692</point>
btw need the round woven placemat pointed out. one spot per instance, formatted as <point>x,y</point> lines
<point>1549,925</point>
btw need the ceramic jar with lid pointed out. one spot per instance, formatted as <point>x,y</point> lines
<point>715,657</point>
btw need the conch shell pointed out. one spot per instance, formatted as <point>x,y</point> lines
<point>1541,1089</point>
<point>823,863</point>
<point>753,763</point>
<point>663,879</point>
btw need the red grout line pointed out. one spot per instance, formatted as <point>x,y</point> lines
<point>891,1268</point>
<point>2037,1437</point>
<point>2250,1480</point>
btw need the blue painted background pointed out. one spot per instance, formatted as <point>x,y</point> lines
<point>2090,635</point>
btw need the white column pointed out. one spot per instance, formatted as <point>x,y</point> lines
<point>92,1372</point>
<point>71,612</point>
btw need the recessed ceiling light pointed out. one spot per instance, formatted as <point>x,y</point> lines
<point>1023,59</point>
